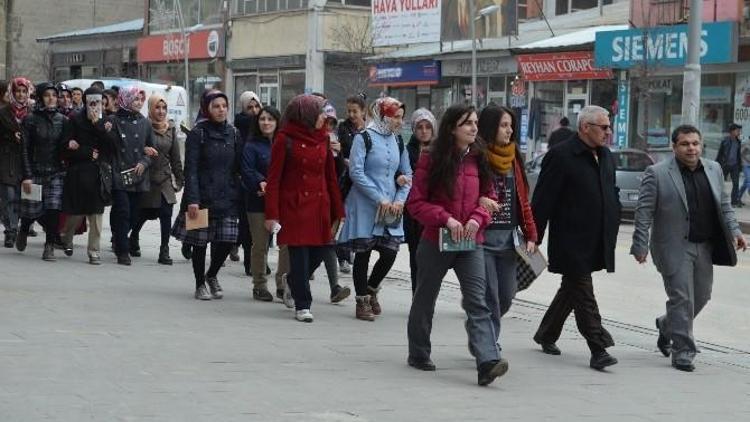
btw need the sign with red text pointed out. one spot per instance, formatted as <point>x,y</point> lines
<point>570,65</point>
<point>397,22</point>
<point>171,47</point>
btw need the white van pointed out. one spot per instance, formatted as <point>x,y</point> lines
<point>176,95</point>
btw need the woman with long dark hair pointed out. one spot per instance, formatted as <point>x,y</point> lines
<point>303,199</point>
<point>497,130</point>
<point>447,186</point>
<point>256,157</point>
<point>212,161</point>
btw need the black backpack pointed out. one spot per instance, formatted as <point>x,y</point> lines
<point>345,183</point>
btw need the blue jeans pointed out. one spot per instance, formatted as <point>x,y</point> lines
<point>469,267</point>
<point>501,284</point>
<point>10,197</point>
<point>123,217</point>
<point>302,261</point>
<point>746,183</point>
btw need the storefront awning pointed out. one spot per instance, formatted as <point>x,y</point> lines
<point>135,25</point>
<point>573,39</point>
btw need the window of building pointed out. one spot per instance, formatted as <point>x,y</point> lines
<point>292,84</point>
<point>523,10</point>
<point>243,83</point>
<point>366,3</point>
<point>250,7</point>
<point>563,7</point>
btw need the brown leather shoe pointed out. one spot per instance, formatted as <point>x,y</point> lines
<point>374,303</point>
<point>363,309</point>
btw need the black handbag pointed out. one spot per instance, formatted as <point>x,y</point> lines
<point>105,182</point>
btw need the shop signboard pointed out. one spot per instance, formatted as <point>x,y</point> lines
<point>456,23</point>
<point>622,117</point>
<point>742,100</point>
<point>664,46</point>
<point>423,72</point>
<point>486,66</point>
<point>207,44</point>
<point>398,22</point>
<point>572,65</point>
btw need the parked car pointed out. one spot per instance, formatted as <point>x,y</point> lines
<point>629,167</point>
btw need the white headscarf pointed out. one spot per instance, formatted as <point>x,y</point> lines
<point>383,110</point>
<point>248,96</point>
<point>423,114</point>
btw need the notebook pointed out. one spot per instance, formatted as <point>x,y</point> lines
<point>200,222</point>
<point>448,245</point>
<point>35,194</point>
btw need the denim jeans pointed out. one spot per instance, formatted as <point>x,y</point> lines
<point>10,197</point>
<point>123,217</point>
<point>469,267</point>
<point>501,284</point>
<point>302,261</point>
<point>746,183</point>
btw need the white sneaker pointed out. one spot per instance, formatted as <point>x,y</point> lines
<point>304,315</point>
<point>288,300</point>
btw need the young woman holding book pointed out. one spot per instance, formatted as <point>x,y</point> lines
<point>497,130</point>
<point>302,194</point>
<point>375,203</point>
<point>448,183</point>
<point>212,163</point>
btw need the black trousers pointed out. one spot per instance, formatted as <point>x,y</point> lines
<point>576,294</point>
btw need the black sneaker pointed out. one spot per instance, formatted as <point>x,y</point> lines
<point>488,371</point>
<point>10,240</point>
<point>263,295</point>
<point>421,364</point>
<point>340,293</point>
<point>21,240</point>
<point>68,249</point>
<point>124,259</point>
<point>214,287</point>
<point>599,361</point>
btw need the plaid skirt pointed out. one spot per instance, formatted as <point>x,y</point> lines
<point>52,195</point>
<point>224,230</point>
<point>370,243</point>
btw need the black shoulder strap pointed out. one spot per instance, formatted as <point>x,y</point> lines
<point>400,141</point>
<point>368,141</point>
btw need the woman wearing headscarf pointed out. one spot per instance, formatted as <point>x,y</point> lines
<point>133,140</point>
<point>423,132</point>
<point>375,197</point>
<point>165,177</point>
<point>11,162</point>
<point>212,159</point>
<point>244,121</point>
<point>88,153</point>
<point>302,194</point>
<point>44,133</point>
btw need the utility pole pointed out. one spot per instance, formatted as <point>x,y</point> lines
<point>691,87</point>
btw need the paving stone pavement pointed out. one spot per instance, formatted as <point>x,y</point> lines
<point>113,343</point>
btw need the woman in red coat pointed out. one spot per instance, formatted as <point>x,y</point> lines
<point>302,194</point>
<point>497,129</point>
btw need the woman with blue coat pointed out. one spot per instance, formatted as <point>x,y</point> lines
<point>381,175</point>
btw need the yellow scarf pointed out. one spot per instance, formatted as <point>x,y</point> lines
<point>501,157</point>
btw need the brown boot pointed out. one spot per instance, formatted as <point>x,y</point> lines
<point>363,310</point>
<point>376,309</point>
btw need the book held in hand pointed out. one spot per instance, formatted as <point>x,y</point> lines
<point>448,245</point>
<point>34,195</point>
<point>199,222</point>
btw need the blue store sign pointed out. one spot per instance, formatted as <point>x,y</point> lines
<point>424,72</point>
<point>664,46</point>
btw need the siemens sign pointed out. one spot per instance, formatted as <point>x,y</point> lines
<point>664,46</point>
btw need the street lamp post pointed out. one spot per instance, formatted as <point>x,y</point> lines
<point>474,17</point>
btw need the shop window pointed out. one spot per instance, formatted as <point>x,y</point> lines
<point>563,7</point>
<point>547,106</point>
<point>366,3</point>
<point>292,84</point>
<point>440,98</point>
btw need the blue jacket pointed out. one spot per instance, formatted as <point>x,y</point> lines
<point>256,157</point>
<point>373,181</point>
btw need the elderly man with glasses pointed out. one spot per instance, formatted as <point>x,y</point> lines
<point>576,194</point>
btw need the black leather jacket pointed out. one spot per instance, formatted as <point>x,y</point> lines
<point>130,134</point>
<point>44,136</point>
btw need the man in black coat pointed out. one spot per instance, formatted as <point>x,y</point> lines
<point>576,193</point>
<point>563,133</point>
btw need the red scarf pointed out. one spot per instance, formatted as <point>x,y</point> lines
<point>299,132</point>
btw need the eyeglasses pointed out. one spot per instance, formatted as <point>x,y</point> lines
<point>602,127</point>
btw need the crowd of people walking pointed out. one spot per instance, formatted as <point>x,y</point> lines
<point>333,193</point>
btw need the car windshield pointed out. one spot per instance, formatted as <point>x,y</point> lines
<point>631,161</point>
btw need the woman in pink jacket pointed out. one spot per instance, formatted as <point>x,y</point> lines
<point>447,185</point>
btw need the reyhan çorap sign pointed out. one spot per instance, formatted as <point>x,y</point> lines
<point>664,46</point>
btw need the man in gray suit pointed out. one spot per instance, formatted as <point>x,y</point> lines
<point>694,228</point>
